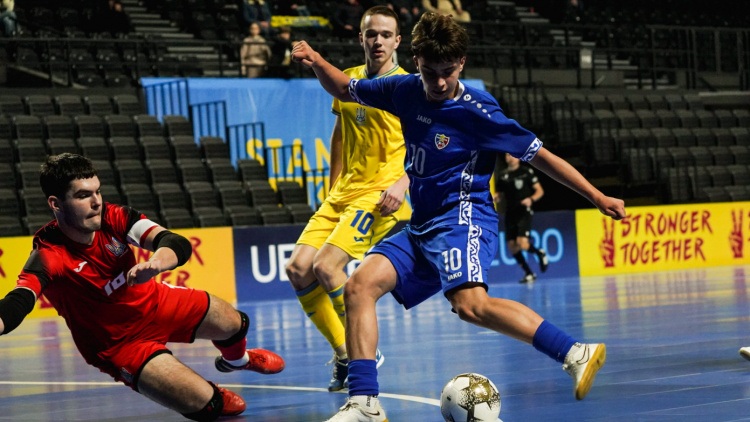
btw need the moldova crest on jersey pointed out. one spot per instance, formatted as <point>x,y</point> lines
<point>441,141</point>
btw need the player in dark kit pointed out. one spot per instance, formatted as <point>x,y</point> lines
<point>519,188</point>
<point>121,319</point>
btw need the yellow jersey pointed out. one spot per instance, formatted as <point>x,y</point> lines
<point>372,147</point>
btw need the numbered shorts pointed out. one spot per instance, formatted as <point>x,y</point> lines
<point>518,223</point>
<point>444,258</point>
<point>354,227</point>
<point>179,313</point>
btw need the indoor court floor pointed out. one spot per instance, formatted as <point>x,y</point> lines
<point>672,339</point>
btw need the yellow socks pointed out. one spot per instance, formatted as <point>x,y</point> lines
<point>319,309</point>
<point>337,298</point>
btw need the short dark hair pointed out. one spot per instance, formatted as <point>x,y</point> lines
<point>59,170</point>
<point>438,38</point>
<point>381,10</point>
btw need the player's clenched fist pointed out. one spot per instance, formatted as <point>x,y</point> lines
<point>303,53</point>
<point>612,207</point>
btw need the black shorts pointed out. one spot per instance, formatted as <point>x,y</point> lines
<point>518,223</point>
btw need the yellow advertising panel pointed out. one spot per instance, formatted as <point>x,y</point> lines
<point>664,237</point>
<point>211,267</point>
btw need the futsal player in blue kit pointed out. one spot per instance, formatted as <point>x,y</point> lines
<point>452,133</point>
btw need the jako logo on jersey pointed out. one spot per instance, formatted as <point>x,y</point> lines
<point>361,114</point>
<point>454,276</point>
<point>115,284</point>
<point>116,247</point>
<point>423,119</point>
<point>441,141</point>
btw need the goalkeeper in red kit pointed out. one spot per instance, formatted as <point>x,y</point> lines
<point>121,319</point>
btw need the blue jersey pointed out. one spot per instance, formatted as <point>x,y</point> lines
<point>450,148</point>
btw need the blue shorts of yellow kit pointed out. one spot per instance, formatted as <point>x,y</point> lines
<point>442,258</point>
<point>354,227</point>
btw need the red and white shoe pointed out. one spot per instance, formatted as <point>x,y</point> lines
<point>261,361</point>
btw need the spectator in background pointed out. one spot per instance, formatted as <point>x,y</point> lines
<point>346,19</point>
<point>447,7</point>
<point>254,53</point>
<point>281,49</point>
<point>281,54</point>
<point>291,8</point>
<point>257,11</point>
<point>118,22</point>
<point>110,18</point>
<point>408,11</point>
<point>7,17</point>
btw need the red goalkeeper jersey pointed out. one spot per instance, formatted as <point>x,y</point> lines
<point>86,283</point>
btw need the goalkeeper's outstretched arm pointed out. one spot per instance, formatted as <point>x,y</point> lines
<point>14,307</point>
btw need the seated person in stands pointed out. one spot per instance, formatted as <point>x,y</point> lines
<point>291,8</point>
<point>408,11</point>
<point>447,7</point>
<point>258,11</point>
<point>281,48</point>
<point>110,18</point>
<point>346,19</point>
<point>255,53</point>
<point>7,17</point>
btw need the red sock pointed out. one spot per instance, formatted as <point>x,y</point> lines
<point>234,347</point>
<point>233,352</point>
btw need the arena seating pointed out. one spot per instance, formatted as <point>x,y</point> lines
<point>156,168</point>
<point>668,144</point>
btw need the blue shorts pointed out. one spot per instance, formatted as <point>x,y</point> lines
<point>441,258</point>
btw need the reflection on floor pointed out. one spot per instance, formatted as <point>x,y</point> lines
<point>672,342</point>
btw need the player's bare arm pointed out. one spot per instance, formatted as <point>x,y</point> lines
<point>169,253</point>
<point>564,173</point>
<point>392,198</point>
<point>330,77</point>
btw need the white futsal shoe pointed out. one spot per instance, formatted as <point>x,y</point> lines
<point>360,409</point>
<point>745,352</point>
<point>582,362</point>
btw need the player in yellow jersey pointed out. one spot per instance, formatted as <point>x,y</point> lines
<point>368,185</point>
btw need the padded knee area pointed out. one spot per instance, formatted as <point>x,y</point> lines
<point>244,327</point>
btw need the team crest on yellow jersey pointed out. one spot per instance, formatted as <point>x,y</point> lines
<point>441,141</point>
<point>361,114</point>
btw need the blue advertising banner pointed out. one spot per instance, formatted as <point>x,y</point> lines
<point>293,112</point>
<point>555,232</point>
<point>260,255</point>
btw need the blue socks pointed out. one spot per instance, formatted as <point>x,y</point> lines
<point>551,341</point>
<point>548,339</point>
<point>363,378</point>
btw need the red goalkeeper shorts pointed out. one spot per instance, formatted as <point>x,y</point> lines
<point>177,317</point>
